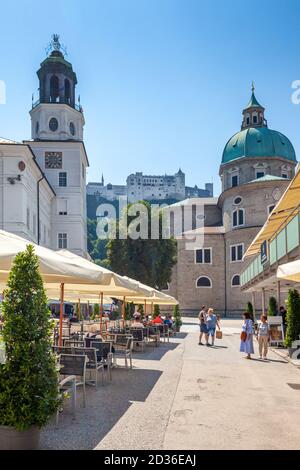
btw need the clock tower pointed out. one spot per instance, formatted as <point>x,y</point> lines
<point>57,123</point>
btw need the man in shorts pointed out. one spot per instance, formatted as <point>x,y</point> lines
<point>203,327</point>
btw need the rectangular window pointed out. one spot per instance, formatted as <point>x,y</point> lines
<point>234,180</point>
<point>284,175</point>
<point>62,208</point>
<point>62,179</point>
<point>203,256</point>
<point>237,252</point>
<point>260,174</point>
<point>62,241</point>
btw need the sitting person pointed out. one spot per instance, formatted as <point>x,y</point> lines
<point>137,321</point>
<point>168,321</point>
<point>158,320</point>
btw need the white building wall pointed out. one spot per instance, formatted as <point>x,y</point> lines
<point>20,199</point>
<point>74,164</point>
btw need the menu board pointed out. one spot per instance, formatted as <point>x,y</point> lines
<point>276,329</point>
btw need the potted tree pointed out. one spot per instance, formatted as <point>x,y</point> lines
<point>272,310</point>
<point>28,378</point>
<point>292,319</point>
<point>177,317</point>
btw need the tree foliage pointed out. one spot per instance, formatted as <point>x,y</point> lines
<point>28,379</point>
<point>177,316</point>
<point>292,317</point>
<point>272,309</point>
<point>148,260</point>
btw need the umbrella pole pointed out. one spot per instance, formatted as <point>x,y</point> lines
<point>79,315</point>
<point>101,312</point>
<point>124,311</point>
<point>145,308</point>
<point>61,313</point>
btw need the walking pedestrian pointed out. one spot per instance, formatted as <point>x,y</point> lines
<point>263,337</point>
<point>247,336</point>
<point>203,327</point>
<point>211,323</point>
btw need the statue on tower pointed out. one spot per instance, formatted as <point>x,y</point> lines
<point>55,46</point>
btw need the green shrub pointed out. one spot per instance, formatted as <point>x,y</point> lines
<point>28,379</point>
<point>272,310</point>
<point>96,311</point>
<point>177,316</point>
<point>292,317</point>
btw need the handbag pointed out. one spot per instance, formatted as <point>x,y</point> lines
<point>219,334</point>
<point>243,336</point>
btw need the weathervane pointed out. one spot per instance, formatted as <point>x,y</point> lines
<point>56,46</point>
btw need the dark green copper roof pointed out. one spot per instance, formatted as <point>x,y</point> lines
<point>258,142</point>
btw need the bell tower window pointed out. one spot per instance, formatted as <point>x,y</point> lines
<point>54,89</point>
<point>53,124</point>
<point>67,91</point>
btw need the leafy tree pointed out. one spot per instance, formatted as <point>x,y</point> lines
<point>177,317</point>
<point>292,317</point>
<point>148,260</point>
<point>272,310</point>
<point>28,379</point>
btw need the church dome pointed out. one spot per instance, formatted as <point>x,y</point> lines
<point>258,142</point>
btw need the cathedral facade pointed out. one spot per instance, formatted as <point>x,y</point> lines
<point>257,166</point>
<point>43,180</point>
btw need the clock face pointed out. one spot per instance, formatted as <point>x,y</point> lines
<point>53,160</point>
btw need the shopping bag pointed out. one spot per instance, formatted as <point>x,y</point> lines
<point>219,334</point>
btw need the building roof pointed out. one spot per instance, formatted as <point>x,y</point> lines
<point>258,142</point>
<point>207,201</point>
<point>7,141</point>
<point>217,230</point>
<point>253,103</point>
<point>267,178</point>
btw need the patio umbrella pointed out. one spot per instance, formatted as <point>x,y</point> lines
<point>289,271</point>
<point>64,270</point>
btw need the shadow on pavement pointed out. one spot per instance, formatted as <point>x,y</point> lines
<point>105,407</point>
<point>154,353</point>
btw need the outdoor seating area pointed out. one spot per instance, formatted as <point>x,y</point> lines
<point>85,352</point>
<point>103,352</point>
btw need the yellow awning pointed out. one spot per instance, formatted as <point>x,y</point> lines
<point>285,209</point>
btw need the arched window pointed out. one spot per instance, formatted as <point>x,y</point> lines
<point>238,218</point>
<point>54,89</point>
<point>235,281</point>
<point>203,281</point>
<point>67,91</point>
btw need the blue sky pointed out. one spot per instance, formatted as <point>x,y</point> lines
<point>162,82</point>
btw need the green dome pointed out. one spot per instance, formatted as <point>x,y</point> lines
<point>258,142</point>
